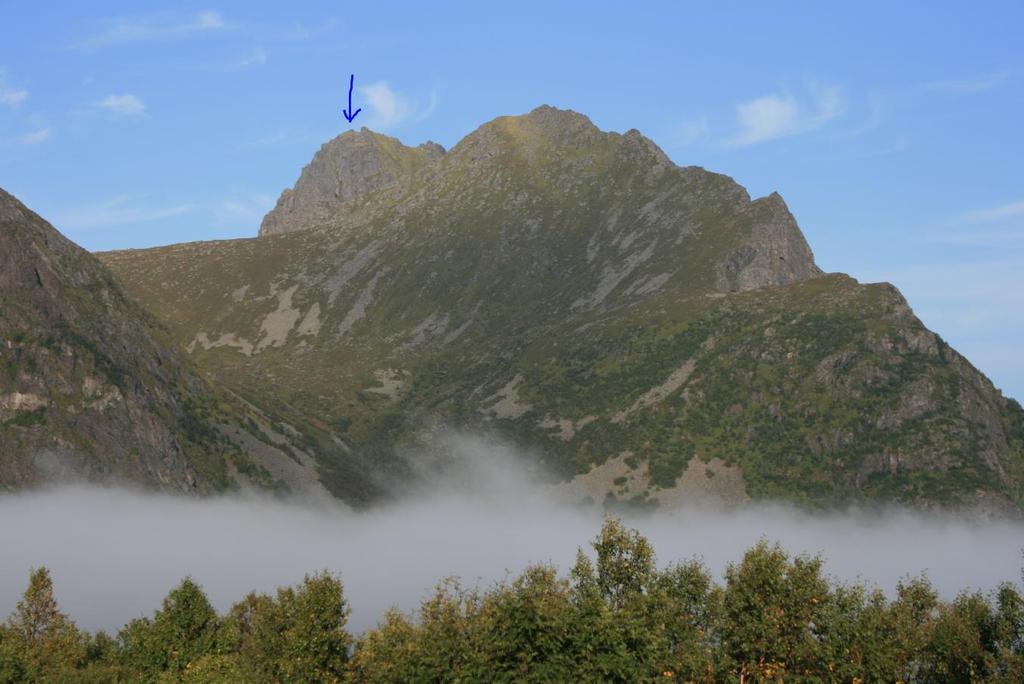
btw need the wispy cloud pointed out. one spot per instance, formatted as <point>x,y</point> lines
<point>301,32</point>
<point>248,209</point>
<point>690,131</point>
<point>777,115</point>
<point>987,227</point>
<point>255,57</point>
<point>988,238</point>
<point>269,140</point>
<point>35,137</point>
<point>388,108</point>
<point>999,213</point>
<point>876,110</point>
<point>284,136</point>
<point>155,28</point>
<point>901,144</point>
<point>9,95</point>
<point>123,105</point>
<point>117,211</point>
<point>435,100</point>
<point>969,84</point>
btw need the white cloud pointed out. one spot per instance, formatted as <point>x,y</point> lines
<point>35,137</point>
<point>387,108</point>
<point>124,105</point>
<point>9,95</point>
<point>968,85</point>
<point>149,29</point>
<point>117,211</point>
<point>776,116</point>
<point>12,96</point>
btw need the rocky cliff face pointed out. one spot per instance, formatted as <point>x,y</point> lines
<point>643,326</point>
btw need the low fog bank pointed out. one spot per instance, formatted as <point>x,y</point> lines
<point>115,553</point>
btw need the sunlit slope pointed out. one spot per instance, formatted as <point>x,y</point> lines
<point>576,292</point>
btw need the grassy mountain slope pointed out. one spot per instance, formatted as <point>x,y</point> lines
<point>582,296</point>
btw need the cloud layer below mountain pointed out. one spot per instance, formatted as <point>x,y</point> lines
<point>115,553</point>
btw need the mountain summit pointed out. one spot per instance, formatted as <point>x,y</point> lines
<point>559,160</point>
<point>344,171</point>
<point>651,332</point>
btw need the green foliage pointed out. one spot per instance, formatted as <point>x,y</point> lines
<point>179,634</point>
<point>616,617</point>
<point>297,636</point>
<point>774,609</point>
<point>40,643</point>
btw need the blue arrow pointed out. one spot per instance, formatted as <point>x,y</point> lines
<point>351,80</point>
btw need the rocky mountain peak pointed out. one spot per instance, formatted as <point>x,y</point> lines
<point>345,170</point>
<point>608,184</point>
<point>775,253</point>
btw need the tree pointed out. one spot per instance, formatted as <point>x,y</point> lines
<point>297,636</point>
<point>315,640</point>
<point>49,643</point>
<point>387,653</point>
<point>773,610</point>
<point>625,563</point>
<point>181,632</point>
<point>523,630</point>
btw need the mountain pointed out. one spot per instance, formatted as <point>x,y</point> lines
<point>92,387</point>
<point>648,331</point>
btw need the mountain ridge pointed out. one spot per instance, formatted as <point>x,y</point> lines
<point>648,332</point>
<point>575,293</point>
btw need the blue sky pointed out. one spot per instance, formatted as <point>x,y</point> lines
<point>893,130</point>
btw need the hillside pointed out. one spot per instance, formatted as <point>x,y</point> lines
<point>648,331</point>
<point>93,388</point>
